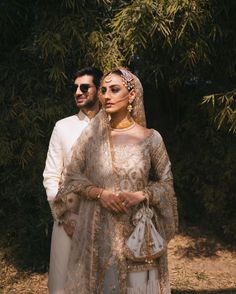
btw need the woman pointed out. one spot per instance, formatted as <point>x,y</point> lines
<point>110,176</point>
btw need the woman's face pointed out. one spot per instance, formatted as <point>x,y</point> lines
<point>114,95</point>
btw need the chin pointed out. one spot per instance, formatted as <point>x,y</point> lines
<point>112,110</point>
<point>109,111</point>
<point>82,105</point>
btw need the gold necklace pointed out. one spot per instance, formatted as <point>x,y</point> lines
<point>123,124</point>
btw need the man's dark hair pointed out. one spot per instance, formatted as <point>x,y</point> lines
<point>91,71</point>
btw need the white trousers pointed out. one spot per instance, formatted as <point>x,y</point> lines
<point>145,282</point>
<point>59,256</point>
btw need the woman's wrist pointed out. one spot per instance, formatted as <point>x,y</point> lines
<point>99,195</point>
<point>148,196</point>
<point>141,195</point>
<point>94,193</point>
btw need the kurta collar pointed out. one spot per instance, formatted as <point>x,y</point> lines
<point>82,116</point>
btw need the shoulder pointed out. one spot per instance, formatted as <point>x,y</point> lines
<point>157,144</point>
<point>66,121</point>
<point>66,125</point>
<point>155,140</point>
<point>152,134</point>
<point>156,137</point>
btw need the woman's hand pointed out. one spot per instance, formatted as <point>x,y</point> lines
<point>112,202</point>
<point>70,224</point>
<point>129,199</point>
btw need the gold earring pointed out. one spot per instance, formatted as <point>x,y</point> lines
<point>130,107</point>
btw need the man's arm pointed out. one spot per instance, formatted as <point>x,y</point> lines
<point>54,165</point>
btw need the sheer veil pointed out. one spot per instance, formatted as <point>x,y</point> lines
<point>92,153</point>
<point>97,252</point>
<point>138,112</point>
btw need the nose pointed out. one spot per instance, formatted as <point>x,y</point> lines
<point>78,91</point>
<point>106,96</point>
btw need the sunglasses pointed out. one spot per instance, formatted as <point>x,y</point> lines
<point>83,87</point>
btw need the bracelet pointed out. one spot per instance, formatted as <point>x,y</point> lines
<point>87,190</point>
<point>99,194</point>
<point>147,196</point>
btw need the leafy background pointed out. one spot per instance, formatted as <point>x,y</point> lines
<point>184,53</point>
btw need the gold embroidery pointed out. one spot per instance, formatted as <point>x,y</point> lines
<point>99,237</point>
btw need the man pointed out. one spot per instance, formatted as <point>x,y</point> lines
<point>64,135</point>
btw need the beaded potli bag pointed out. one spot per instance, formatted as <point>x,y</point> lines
<point>145,243</point>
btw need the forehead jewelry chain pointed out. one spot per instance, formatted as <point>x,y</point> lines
<point>127,79</point>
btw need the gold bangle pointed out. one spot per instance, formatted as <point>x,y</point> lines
<point>87,190</point>
<point>99,194</point>
<point>147,197</point>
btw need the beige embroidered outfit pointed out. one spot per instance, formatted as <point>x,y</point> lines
<point>98,262</point>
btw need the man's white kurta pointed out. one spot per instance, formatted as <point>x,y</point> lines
<point>64,135</point>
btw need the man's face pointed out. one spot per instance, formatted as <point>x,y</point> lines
<point>86,92</point>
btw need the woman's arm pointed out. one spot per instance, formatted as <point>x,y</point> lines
<point>160,192</point>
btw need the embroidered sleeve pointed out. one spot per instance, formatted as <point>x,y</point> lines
<point>161,190</point>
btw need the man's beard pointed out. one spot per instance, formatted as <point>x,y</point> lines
<point>88,104</point>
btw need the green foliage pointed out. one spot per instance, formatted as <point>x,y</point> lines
<point>203,160</point>
<point>204,173</point>
<point>174,33</point>
<point>223,109</point>
<point>175,46</point>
